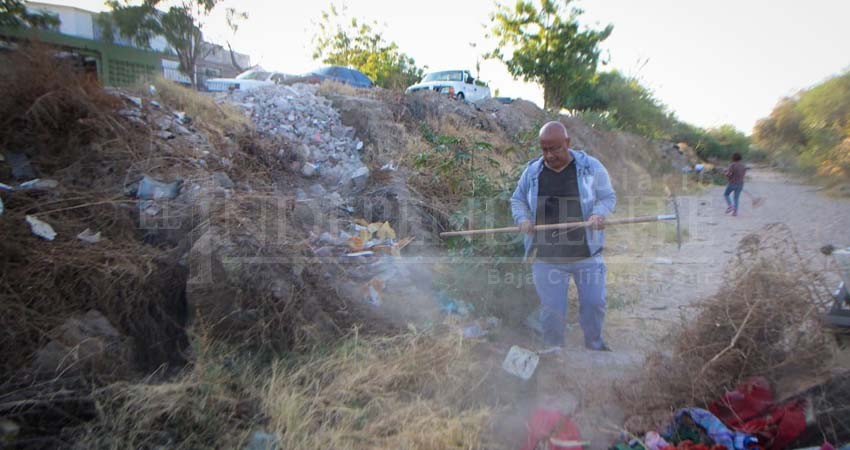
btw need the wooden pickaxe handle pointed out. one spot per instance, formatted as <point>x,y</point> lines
<point>562,226</point>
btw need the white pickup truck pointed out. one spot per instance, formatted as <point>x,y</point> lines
<point>458,84</point>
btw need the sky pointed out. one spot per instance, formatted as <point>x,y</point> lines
<point>710,62</point>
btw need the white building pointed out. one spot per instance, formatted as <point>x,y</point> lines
<point>83,24</point>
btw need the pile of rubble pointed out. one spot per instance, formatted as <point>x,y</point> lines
<point>323,147</point>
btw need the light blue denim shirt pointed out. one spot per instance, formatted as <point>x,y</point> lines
<point>594,187</point>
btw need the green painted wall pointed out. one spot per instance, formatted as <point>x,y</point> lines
<point>116,65</point>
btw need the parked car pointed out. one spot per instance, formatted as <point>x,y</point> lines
<point>458,84</point>
<point>339,74</point>
<point>247,80</point>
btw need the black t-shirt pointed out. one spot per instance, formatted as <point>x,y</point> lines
<point>558,201</point>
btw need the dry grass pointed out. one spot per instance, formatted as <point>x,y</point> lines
<point>763,322</point>
<point>203,109</point>
<point>412,391</point>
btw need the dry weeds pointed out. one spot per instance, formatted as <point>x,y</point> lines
<point>764,321</point>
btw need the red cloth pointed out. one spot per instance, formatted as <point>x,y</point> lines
<point>550,423</point>
<point>751,409</point>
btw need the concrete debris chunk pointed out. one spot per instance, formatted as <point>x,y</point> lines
<point>222,180</point>
<point>134,100</point>
<point>40,228</point>
<point>89,236</point>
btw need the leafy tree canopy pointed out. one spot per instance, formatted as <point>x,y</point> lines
<point>542,42</point>
<point>346,41</point>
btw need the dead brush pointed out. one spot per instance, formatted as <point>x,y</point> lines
<point>762,322</point>
<point>69,128</point>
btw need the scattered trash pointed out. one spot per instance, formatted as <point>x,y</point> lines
<point>8,431</point>
<point>450,305</point>
<point>309,169</point>
<point>40,228</point>
<point>38,184</point>
<point>21,167</point>
<point>89,236</point>
<point>261,440</point>
<point>552,430</point>
<point>150,207</point>
<point>521,362</point>
<point>389,167</point>
<point>363,253</point>
<point>473,331</point>
<point>690,423</point>
<point>374,298</point>
<point>654,441</point>
<point>150,189</point>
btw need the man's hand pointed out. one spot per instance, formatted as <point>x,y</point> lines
<point>526,227</point>
<point>597,222</point>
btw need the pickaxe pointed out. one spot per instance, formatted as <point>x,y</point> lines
<point>573,225</point>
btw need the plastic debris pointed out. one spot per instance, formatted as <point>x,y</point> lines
<point>21,167</point>
<point>364,253</point>
<point>150,189</point>
<point>521,362</point>
<point>89,236</point>
<point>40,228</point>
<point>262,441</point>
<point>389,167</point>
<point>38,184</point>
<point>5,187</point>
<point>385,232</point>
<point>450,305</point>
<point>473,330</point>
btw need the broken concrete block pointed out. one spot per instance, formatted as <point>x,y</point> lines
<point>86,344</point>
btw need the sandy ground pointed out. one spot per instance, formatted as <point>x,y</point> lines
<point>671,280</point>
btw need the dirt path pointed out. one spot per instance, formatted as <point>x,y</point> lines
<point>674,279</point>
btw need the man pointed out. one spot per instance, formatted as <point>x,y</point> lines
<point>735,174</point>
<point>565,185</point>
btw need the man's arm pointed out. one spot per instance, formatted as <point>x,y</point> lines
<point>606,198</point>
<point>520,210</point>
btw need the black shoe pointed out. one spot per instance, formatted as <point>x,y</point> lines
<point>603,348</point>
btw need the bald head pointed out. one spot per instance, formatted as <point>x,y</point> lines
<point>554,130</point>
<point>555,142</point>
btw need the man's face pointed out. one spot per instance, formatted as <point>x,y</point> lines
<point>554,147</point>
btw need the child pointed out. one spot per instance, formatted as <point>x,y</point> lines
<point>735,174</point>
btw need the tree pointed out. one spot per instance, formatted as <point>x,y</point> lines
<point>343,41</point>
<point>541,42</point>
<point>181,26</point>
<point>14,14</point>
